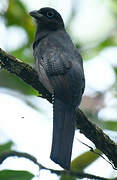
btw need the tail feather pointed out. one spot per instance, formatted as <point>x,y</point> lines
<point>63,133</point>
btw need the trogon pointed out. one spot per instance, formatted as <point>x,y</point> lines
<point>60,70</point>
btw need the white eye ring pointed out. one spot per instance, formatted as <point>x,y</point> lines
<point>50,14</point>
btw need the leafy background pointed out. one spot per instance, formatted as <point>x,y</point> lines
<point>99,103</point>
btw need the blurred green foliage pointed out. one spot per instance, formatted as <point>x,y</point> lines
<point>17,15</point>
<point>6,147</point>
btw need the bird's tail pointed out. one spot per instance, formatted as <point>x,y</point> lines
<point>63,133</point>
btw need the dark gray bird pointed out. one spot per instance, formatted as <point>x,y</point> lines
<point>60,69</point>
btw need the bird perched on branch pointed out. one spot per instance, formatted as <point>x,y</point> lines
<point>60,70</point>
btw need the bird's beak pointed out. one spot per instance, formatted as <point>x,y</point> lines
<point>36,14</point>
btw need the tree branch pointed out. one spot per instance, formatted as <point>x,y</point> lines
<point>90,130</point>
<point>80,175</point>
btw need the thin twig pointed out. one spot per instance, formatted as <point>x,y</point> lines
<point>92,150</point>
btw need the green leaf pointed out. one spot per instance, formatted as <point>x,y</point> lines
<point>110,125</point>
<point>15,175</point>
<point>81,162</point>
<point>67,178</point>
<point>84,160</point>
<point>6,147</point>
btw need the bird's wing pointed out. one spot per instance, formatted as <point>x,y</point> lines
<point>43,77</point>
<point>55,65</point>
<point>55,61</point>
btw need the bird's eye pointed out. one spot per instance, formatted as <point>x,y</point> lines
<point>50,14</point>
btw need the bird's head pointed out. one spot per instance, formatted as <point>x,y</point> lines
<point>48,18</point>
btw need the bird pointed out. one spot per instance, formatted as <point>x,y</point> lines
<point>60,69</point>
